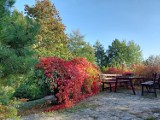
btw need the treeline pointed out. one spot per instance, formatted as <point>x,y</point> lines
<point>118,53</point>
<point>41,33</point>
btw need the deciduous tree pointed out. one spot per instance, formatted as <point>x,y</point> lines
<point>51,39</point>
<point>80,48</point>
<point>122,52</point>
<point>153,60</point>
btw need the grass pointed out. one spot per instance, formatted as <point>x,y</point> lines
<point>79,106</point>
<point>151,118</point>
<point>33,110</point>
<point>40,109</point>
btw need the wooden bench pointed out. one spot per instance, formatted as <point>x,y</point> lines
<point>109,80</point>
<point>151,85</point>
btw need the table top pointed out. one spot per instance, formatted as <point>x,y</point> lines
<point>130,77</point>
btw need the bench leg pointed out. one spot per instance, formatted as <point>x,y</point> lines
<point>142,89</point>
<point>115,87</point>
<point>103,87</point>
<point>126,84</point>
<point>110,87</point>
<point>132,87</point>
<point>155,91</point>
<point>147,88</point>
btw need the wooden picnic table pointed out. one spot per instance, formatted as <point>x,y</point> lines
<point>108,79</point>
<point>130,79</point>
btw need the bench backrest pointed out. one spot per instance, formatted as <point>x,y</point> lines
<point>108,76</point>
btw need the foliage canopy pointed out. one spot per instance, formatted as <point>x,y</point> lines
<point>121,52</point>
<point>100,54</point>
<point>51,39</point>
<point>17,35</point>
<point>80,48</point>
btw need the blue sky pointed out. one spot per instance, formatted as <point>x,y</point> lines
<point>105,20</point>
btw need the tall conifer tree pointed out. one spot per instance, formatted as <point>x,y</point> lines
<point>100,55</point>
<point>17,35</point>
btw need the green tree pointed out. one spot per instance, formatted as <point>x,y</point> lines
<point>100,55</point>
<point>134,53</point>
<point>153,60</point>
<point>5,5</point>
<point>80,48</point>
<point>17,35</point>
<point>51,39</point>
<point>122,52</point>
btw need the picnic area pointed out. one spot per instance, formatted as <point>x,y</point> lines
<point>49,71</point>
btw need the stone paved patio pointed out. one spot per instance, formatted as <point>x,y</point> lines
<point>108,106</point>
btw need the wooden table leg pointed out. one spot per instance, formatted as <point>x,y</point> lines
<point>115,87</point>
<point>132,87</point>
<point>110,86</point>
<point>103,86</point>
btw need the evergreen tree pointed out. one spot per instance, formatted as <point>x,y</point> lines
<point>100,55</point>
<point>51,39</point>
<point>17,35</point>
<point>5,6</point>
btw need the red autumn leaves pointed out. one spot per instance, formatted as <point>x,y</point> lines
<point>70,81</point>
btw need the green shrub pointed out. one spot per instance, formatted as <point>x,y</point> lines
<point>29,91</point>
<point>104,69</point>
<point>42,81</point>
<point>8,112</point>
<point>6,94</point>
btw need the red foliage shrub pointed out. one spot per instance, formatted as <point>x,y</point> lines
<point>123,71</point>
<point>70,81</point>
<point>113,70</point>
<point>146,70</point>
<point>128,73</point>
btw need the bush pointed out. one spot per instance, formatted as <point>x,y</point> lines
<point>6,93</point>
<point>146,70</point>
<point>30,91</point>
<point>69,81</point>
<point>113,70</point>
<point>104,69</point>
<point>128,73</point>
<point>8,112</point>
